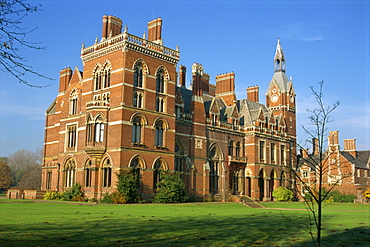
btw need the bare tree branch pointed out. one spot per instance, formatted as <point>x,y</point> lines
<point>12,36</point>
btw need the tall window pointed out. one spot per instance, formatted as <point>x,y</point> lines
<point>71,136</point>
<point>237,149</point>
<point>159,132</point>
<point>107,173</point>
<point>262,151</point>
<point>179,158</point>
<point>160,81</point>
<point>136,130</point>
<point>48,180</point>
<point>102,78</point>
<point>89,130</point>
<point>138,75</point>
<point>88,174</point>
<point>159,105</point>
<point>158,168</point>
<point>282,154</point>
<point>73,100</point>
<point>138,99</point>
<point>178,110</point>
<point>214,170</point>
<point>99,130</point>
<point>272,147</point>
<point>69,173</point>
<point>136,164</point>
<point>231,148</point>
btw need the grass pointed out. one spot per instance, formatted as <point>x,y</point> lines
<point>30,223</point>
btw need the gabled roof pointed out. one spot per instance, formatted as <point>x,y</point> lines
<point>357,162</point>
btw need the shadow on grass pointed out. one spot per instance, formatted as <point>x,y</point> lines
<point>257,227</point>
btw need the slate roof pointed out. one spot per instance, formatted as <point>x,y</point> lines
<point>356,161</point>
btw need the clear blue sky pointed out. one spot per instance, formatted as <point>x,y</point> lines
<point>322,40</point>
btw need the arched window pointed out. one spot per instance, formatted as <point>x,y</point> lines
<point>99,130</point>
<point>160,81</point>
<point>136,164</point>
<point>138,100</point>
<point>88,173</point>
<point>89,130</point>
<point>107,173</point>
<point>179,158</point>
<point>237,149</point>
<point>214,163</point>
<point>73,100</point>
<point>101,78</point>
<point>231,148</point>
<point>136,130</point>
<point>69,173</point>
<point>138,75</point>
<point>159,132</point>
<point>157,170</point>
<point>159,105</point>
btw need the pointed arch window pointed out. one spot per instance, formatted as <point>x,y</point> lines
<point>73,103</point>
<point>237,149</point>
<point>138,100</point>
<point>179,158</point>
<point>101,78</point>
<point>157,170</point>
<point>69,173</point>
<point>88,173</point>
<point>99,130</point>
<point>136,164</point>
<point>159,133</point>
<point>214,163</point>
<point>89,130</point>
<point>107,173</point>
<point>71,136</point>
<point>138,75</point>
<point>231,148</point>
<point>136,130</point>
<point>159,106</point>
<point>160,81</point>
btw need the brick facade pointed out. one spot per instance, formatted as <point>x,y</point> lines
<point>129,107</point>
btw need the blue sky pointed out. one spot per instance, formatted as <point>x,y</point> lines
<point>322,40</point>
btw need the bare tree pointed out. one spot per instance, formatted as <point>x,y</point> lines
<point>12,36</point>
<point>319,188</point>
<point>23,163</point>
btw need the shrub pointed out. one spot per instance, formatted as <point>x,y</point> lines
<point>114,198</point>
<point>126,186</point>
<point>51,195</point>
<point>75,193</point>
<point>171,189</point>
<point>283,194</point>
<point>336,196</point>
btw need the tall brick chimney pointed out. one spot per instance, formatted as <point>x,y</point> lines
<point>182,80</point>
<point>253,93</point>
<point>64,78</point>
<point>112,26</point>
<point>350,146</point>
<point>155,31</point>
<point>225,88</point>
<point>315,146</point>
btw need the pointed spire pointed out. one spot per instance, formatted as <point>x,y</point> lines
<point>279,59</point>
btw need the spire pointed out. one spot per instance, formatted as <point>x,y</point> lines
<point>279,59</point>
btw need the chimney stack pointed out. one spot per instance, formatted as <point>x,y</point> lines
<point>253,93</point>
<point>182,81</point>
<point>315,146</point>
<point>225,88</point>
<point>64,78</point>
<point>155,31</point>
<point>333,138</point>
<point>350,146</point>
<point>112,26</point>
<point>304,153</point>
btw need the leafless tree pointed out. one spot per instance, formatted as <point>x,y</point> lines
<point>319,119</point>
<point>13,36</point>
<point>26,168</point>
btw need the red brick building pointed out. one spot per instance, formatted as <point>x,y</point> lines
<point>347,169</point>
<point>129,107</point>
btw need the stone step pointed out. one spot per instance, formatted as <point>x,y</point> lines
<point>246,201</point>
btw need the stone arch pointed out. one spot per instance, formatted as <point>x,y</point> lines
<point>261,183</point>
<point>141,162</point>
<point>144,65</point>
<point>143,120</point>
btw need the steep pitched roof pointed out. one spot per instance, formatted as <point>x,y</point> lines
<point>357,162</point>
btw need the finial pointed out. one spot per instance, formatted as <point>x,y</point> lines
<point>110,34</point>
<point>83,45</point>
<point>144,35</point>
<point>96,40</point>
<point>126,29</point>
<point>177,48</point>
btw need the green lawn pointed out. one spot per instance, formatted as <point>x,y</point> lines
<point>29,223</point>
